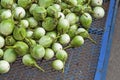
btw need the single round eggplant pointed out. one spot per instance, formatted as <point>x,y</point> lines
<point>57,64</point>
<point>72,18</point>
<point>10,55</point>
<point>62,55</point>
<point>77,41</point>
<point>52,11</point>
<point>7,3</point>
<point>37,51</point>
<point>25,3</point>
<point>4,66</point>
<point>19,13</point>
<point>32,7</point>
<point>24,23</point>
<point>6,27</point>
<point>98,12</point>
<point>32,22</point>
<point>86,20</point>
<point>21,48</point>
<point>63,26</point>
<point>52,34</point>
<point>28,60</point>
<point>96,2</point>
<point>1,53</point>
<point>2,42</point>
<point>29,33</point>
<point>10,41</point>
<point>49,54</point>
<point>45,41</point>
<point>56,47</point>
<point>7,14</point>
<point>45,3</point>
<point>49,24</point>
<point>64,39</point>
<point>19,33</point>
<point>72,30</point>
<point>38,33</point>
<point>39,13</point>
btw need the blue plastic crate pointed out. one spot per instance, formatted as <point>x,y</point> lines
<point>107,41</point>
<point>88,62</point>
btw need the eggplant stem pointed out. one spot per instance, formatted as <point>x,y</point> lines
<point>69,46</point>
<point>58,34</point>
<point>85,15</point>
<point>56,1</point>
<point>26,39</point>
<point>56,38</point>
<point>10,46</point>
<point>88,2</point>
<point>36,65</point>
<point>91,12</point>
<point>34,1</point>
<point>56,14</point>
<point>21,34</point>
<point>63,70</point>
<point>93,41</point>
<point>82,11</point>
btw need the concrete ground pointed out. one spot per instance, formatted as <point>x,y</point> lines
<point>114,62</point>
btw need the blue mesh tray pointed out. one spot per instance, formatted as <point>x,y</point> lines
<point>88,62</point>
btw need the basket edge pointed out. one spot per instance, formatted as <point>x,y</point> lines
<point>106,42</point>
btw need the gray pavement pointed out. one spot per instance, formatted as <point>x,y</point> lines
<point>114,61</point>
